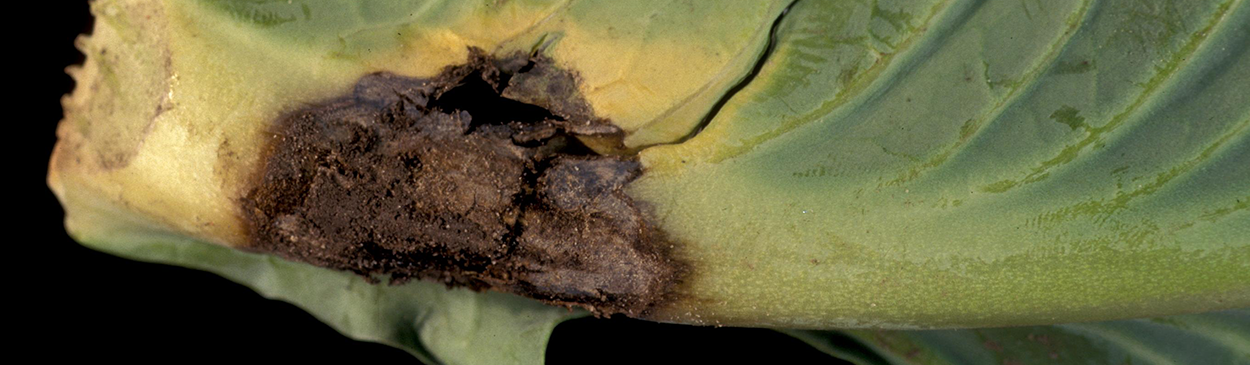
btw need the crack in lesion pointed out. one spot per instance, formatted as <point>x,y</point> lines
<point>756,68</point>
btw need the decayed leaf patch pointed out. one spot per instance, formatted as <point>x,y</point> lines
<point>446,179</point>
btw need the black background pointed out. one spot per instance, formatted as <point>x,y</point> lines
<point>78,304</point>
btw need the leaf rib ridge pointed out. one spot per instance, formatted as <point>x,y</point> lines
<point>1028,85</point>
<point>916,49</point>
<point>1130,115</point>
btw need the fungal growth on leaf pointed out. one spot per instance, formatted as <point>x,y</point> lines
<point>455,179</point>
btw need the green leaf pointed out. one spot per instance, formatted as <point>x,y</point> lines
<point>909,164</point>
<point>940,164</point>
<point>1211,338</point>
<point>434,323</point>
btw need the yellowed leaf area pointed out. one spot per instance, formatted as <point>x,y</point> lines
<point>169,117</point>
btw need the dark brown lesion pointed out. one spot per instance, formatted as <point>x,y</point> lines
<point>474,178</point>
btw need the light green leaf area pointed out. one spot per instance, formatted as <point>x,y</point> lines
<point>908,164</point>
<point>1211,338</point>
<point>434,323</point>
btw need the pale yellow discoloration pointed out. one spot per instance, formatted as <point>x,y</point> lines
<point>170,118</point>
<point>169,121</point>
<point>655,69</point>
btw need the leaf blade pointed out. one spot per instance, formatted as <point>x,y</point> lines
<point>436,324</point>
<point>1209,338</point>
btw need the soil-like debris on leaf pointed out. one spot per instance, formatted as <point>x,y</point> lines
<point>446,179</point>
